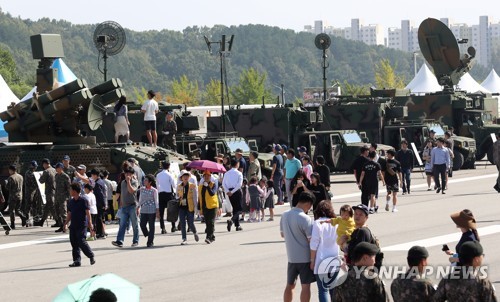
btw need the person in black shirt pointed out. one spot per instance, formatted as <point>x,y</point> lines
<point>405,158</point>
<point>392,176</point>
<point>324,172</point>
<point>298,185</point>
<point>357,166</point>
<point>318,189</point>
<point>370,174</point>
<point>79,215</point>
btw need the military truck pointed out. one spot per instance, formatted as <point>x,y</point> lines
<point>294,127</point>
<point>471,114</point>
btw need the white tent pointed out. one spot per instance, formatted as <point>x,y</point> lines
<point>64,76</point>
<point>492,82</point>
<point>6,95</point>
<point>424,82</point>
<point>467,83</point>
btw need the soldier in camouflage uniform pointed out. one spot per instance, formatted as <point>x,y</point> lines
<point>32,198</point>
<point>68,169</point>
<point>169,132</point>
<point>412,285</point>
<point>362,284</point>
<point>48,178</point>
<point>15,188</point>
<point>467,282</point>
<point>62,196</point>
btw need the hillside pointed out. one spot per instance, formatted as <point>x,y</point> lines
<point>152,59</point>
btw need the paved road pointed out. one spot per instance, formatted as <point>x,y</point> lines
<point>248,265</point>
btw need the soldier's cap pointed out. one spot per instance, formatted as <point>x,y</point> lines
<point>34,164</point>
<point>418,252</point>
<point>469,250</point>
<point>66,157</point>
<point>94,172</point>
<point>238,151</point>
<point>277,147</point>
<point>46,161</point>
<point>302,149</point>
<point>463,220</point>
<point>432,131</point>
<point>82,167</point>
<point>365,248</point>
<point>170,113</point>
<point>59,165</point>
<point>284,147</point>
<point>361,207</point>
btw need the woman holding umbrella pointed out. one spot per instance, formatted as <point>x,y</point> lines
<point>208,201</point>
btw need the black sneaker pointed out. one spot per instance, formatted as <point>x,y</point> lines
<point>75,264</point>
<point>438,190</point>
<point>376,209</point>
<point>229,225</point>
<point>443,192</point>
<point>92,261</point>
<point>59,230</point>
<point>117,243</point>
<point>163,231</point>
<point>496,188</point>
<point>173,230</point>
<point>238,228</point>
<point>207,241</point>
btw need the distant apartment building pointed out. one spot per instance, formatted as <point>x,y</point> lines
<point>372,34</point>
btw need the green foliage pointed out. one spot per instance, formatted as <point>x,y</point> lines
<point>212,93</point>
<point>354,89</point>
<point>9,74</point>
<point>140,95</point>
<point>183,91</point>
<point>385,77</point>
<point>251,88</point>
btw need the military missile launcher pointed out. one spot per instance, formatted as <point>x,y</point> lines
<point>471,114</point>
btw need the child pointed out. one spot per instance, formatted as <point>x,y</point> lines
<point>254,192</point>
<point>244,199</point>
<point>262,197</point>
<point>270,199</point>
<point>93,208</point>
<point>345,223</point>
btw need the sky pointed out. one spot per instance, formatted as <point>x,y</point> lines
<point>290,14</point>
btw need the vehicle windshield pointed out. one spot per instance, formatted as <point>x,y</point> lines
<point>352,137</point>
<point>438,129</point>
<point>233,145</point>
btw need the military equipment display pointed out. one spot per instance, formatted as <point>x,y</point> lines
<point>64,120</point>
<point>471,114</point>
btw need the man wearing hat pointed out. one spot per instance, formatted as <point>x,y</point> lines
<point>440,163</point>
<point>169,132</point>
<point>15,189</point>
<point>32,199</point>
<point>68,169</point>
<point>277,173</point>
<point>302,152</point>
<point>48,178</point>
<point>62,195</point>
<point>238,153</point>
<point>468,282</point>
<point>496,161</point>
<point>413,285</point>
<point>362,284</point>
<point>150,109</point>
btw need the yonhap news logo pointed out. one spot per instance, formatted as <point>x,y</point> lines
<point>330,272</point>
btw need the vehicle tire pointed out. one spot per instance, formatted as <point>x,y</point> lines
<point>458,160</point>
<point>489,154</point>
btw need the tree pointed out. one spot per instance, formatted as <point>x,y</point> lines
<point>251,88</point>
<point>9,74</point>
<point>385,77</point>
<point>183,91</point>
<point>212,93</point>
<point>354,89</point>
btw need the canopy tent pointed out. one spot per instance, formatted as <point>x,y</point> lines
<point>424,82</point>
<point>64,76</point>
<point>467,83</point>
<point>6,95</point>
<point>492,82</point>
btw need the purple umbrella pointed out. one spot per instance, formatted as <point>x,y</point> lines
<point>206,165</point>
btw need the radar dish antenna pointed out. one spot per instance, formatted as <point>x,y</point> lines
<point>323,41</point>
<point>440,49</point>
<point>109,39</point>
<point>95,113</point>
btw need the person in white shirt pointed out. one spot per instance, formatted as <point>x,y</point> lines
<point>231,183</point>
<point>88,189</point>
<point>166,186</point>
<point>150,109</point>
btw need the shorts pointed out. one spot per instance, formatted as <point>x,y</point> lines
<point>150,125</point>
<point>370,189</point>
<point>429,173</point>
<point>300,269</point>
<point>392,188</point>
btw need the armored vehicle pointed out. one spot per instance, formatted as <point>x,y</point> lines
<point>471,114</point>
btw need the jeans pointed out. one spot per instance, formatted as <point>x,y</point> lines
<point>209,215</point>
<point>77,238</point>
<point>164,198</point>
<point>147,218</point>
<point>288,183</point>
<point>324,294</point>
<point>406,174</point>
<point>277,179</point>
<point>183,214</point>
<point>128,213</point>
<point>440,170</point>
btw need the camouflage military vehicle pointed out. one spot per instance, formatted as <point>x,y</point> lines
<point>471,114</point>
<point>294,127</point>
<point>60,121</point>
